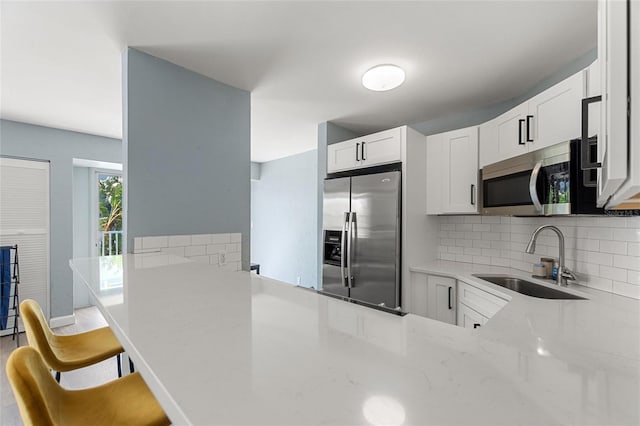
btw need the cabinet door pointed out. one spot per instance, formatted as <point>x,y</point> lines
<point>418,302</point>
<point>468,318</point>
<point>441,299</point>
<point>381,147</point>
<point>342,156</point>
<point>555,114</point>
<point>460,180</point>
<point>488,152</point>
<point>612,139</point>
<point>435,170</point>
<point>594,89</point>
<point>510,137</point>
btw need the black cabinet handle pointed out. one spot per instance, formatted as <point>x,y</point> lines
<point>529,117</point>
<point>450,291</point>
<point>357,151</point>
<point>473,195</point>
<point>362,152</point>
<point>520,123</point>
<point>476,325</point>
<point>586,146</point>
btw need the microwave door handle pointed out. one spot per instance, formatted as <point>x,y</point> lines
<point>533,191</point>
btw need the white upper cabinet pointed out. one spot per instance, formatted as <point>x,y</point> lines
<point>548,118</point>
<point>342,156</point>
<point>510,132</point>
<point>555,114</point>
<point>452,172</point>
<point>379,148</point>
<point>619,133</point>
<point>382,147</point>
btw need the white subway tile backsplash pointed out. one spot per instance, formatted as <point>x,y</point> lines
<point>632,235</point>
<point>491,219</point>
<point>615,247</point>
<point>195,250</point>
<point>204,247</point>
<point>154,242</point>
<point>220,238</point>
<point>216,248</point>
<point>179,240</point>
<point>633,277</point>
<point>627,262</point>
<point>603,251</point>
<point>626,289</point>
<point>176,251</point>
<point>616,274</point>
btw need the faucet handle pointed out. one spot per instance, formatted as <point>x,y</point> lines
<point>568,274</point>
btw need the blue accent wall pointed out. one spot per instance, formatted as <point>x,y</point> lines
<point>284,209</point>
<point>187,165</point>
<point>59,147</point>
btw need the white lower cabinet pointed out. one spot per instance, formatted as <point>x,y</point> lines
<point>468,318</point>
<point>434,297</point>
<point>476,306</point>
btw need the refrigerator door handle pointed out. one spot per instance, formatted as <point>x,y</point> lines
<point>349,247</point>
<point>342,248</point>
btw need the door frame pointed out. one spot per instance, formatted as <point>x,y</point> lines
<point>93,210</point>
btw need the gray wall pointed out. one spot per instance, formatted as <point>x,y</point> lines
<point>59,147</point>
<point>479,116</point>
<point>187,152</point>
<point>328,133</point>
<point>284,219</point>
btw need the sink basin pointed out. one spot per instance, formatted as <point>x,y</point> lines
<point>527,287</point>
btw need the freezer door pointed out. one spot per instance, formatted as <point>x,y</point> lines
<point>375,202</point>
<point>336,204</point>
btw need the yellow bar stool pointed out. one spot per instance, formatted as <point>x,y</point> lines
<point>65,353</point>
<point>42,401</point>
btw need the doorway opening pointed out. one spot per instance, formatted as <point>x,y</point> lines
<point>109,241</point>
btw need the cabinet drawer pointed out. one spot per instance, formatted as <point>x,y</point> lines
<point>468,318</point>
<point>481,301</point>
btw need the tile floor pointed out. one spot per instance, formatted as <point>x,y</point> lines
<point>86,319</point>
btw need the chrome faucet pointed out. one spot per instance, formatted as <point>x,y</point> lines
<point>563,272</point>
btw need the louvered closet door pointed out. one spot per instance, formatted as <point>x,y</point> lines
<point>24,220</point>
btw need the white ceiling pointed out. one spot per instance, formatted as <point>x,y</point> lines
<point>302,61</point>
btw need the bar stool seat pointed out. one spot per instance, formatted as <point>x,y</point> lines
<point>42,401</point>
<point>67,352</point>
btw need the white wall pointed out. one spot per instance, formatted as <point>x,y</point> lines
<point>604,251</point>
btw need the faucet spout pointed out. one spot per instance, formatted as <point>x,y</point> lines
<point>563,271</point>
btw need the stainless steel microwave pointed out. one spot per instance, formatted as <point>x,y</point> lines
<point>546,182</point>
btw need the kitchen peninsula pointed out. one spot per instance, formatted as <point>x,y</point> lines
<point>223,347</point>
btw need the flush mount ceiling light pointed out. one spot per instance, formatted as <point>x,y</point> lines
<point>383,77</point>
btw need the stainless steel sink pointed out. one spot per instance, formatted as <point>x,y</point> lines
<point>527,287</point>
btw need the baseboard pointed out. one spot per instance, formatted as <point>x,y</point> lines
<point>62,321</point>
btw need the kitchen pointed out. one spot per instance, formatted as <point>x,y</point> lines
<point>506,356</point>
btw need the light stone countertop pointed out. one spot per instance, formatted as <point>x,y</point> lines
<point>221,347</point>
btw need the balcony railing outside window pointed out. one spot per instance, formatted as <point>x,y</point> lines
<point>110,243</point>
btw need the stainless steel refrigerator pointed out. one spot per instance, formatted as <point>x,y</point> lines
<point>361,230</point>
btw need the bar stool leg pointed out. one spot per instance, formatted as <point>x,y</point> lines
<point>131,367</point>
<point>118,357</point>
<point>58,376</point>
